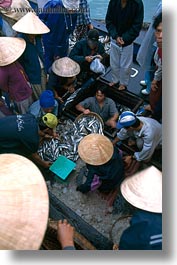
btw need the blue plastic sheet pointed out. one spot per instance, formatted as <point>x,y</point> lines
<point>62,167</point>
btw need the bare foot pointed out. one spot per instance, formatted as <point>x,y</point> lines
<point>122,87</point>
<point>65,233</point>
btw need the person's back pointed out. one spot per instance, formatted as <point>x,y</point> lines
<point>36,110</point>
<point>144,233</point>
<point>19,134</point>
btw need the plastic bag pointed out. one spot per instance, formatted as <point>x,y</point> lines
<point>97,67</point>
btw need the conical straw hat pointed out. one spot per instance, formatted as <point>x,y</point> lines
<point>11,49</point>
<point>95,149</point>
<point>30,24</point>
<point>144,190</point>
<point>24,204</point>
<point>65,67</point>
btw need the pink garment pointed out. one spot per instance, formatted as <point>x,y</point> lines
<point>5,3</point>
<point>96,183</point>
<point>13,80</point>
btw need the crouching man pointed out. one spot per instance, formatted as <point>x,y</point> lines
<point>147,133</point>
<point>104,164</point>
<point>21,134</point>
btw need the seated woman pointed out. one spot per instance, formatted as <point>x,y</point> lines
<point>103,106</point>
<point>104,164</point>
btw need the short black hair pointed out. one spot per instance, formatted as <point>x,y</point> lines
<point>157,21</point>
<point>42,125</point>
<point>102,89</point>
<point>135,125</point>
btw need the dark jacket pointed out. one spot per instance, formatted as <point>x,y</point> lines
<point>19,135</point>
<point>111,174</point>
<point>81,50</point>
<point>144,233</point>
<point>30,59</point>
<point>126,22</point>
<point>61,25</point>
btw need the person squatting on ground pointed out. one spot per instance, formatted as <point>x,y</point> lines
<point>102,105</point>
<point>22,134</point>
<point>62,79</point>
<point>104,164</point>
<point>45,104</point>
<point>147,133</point>
<point>86,50</point>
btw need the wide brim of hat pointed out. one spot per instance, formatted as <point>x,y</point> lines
<point>24,204</point>
<point>95,149</point>
<point>65,67</point>
<point>30,24</point>
<point>71,4</point>
<point>11,49</point>
<point>144,190</point>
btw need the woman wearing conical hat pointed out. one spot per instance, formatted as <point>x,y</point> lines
<point>62,79</point>
<point>104,164</point>
<point>144,191</point>
<point>31,29</point>
<point>13,79</point>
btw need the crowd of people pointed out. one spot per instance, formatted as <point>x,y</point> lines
<point>38,71</point>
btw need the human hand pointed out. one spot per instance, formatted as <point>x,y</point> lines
<point>60,99</point>
<point>71,89</point>
<point>112,123</point>
<point>154,85</point>
<point>55,135</point>
<point>47,164</point>
<point>90,26</point>
<point>99,57</point>
<point>86,111</point>
<point>89,59</point>
<point>127,160</point>
<point>120,41</point>
<point>65,233</point>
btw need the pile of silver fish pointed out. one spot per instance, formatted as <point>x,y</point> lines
<point>70,135</point>
<point>71,98</point>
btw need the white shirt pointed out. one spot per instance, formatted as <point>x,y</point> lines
<point>150,133</point>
